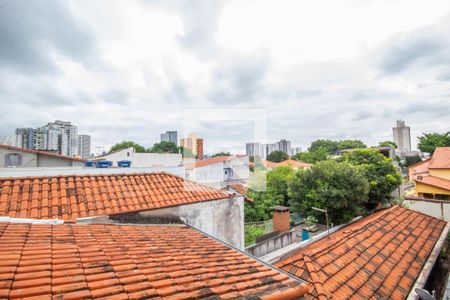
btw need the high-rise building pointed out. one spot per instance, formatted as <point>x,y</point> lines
<point>30,138</point>
<point>84,145</point>
<point>193,143</point>
<point>267,149</point>
<point>284,146</point>
<point>402,136</point>
<point>170,136</point>
<point>295,150</point>
<point>254,149</point>
<point>67,138</point>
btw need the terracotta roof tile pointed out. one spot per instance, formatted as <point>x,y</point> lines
<point>212,160</point>
<point>13,148</point>
<point>378,257</point>
<point>435,181</point>
<point>440,159</point>
<point>130,262</point>
<point>78,196</point>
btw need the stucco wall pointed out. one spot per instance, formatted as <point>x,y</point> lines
<point>211,175</point>
<point>272,244</point>
<point>434,208</point>
<point>143,160</point>
<point>442,173</point>
<point>223,219</point>
<point>49,161</point>
<point>28,159</point>
<point>425,188</point>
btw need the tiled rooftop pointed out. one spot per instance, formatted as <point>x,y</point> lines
<point>435,181</point>
<point>377,257</point>
<point>212,160</point>
<point>441,158</point>
<point>130,262</point>
<point>77,196</point>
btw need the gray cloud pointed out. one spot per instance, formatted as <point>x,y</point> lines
<point>32,33</point>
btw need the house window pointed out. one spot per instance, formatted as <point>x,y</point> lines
<point>428,196</point>
<point>13,160</point>
<point>442,197</point>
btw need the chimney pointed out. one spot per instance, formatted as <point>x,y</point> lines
<point>281,219</point>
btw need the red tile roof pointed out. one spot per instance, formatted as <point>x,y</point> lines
<point>242,190</point>
<point>41,153</point>
<point>212,160</point>
<point>377,257</point>
<point>77,196</point>
<point>130,262</point>
<point>440,159</point>
<point>434,181</point>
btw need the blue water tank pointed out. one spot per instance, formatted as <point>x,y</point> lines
<point>89,163</point>
<point>103,164</point>
<point>305,235</point>
<point>124,163</point>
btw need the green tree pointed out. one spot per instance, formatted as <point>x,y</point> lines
<point>340,188</point>
<point>263,203</point>
<point>221,154</point>
<point>312,157</point>
<point>185,151</point>
<point>278,180</point>
<point>277,156</point>
<point>429,141</point>
<point>411,160</point>
<point>351,144</point>
<point>388,144</point>
<point>379,171</point>
<point>127,144</point>
<point>330,146</point>
<point>164,147</point>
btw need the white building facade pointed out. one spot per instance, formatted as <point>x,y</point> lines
<point>402,136</point>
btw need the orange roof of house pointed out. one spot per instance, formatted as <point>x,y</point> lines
<point>41,152</point>
<point>241,189</point>
<point>211,161</point>
<point>377,257</point>
<point>130,262</point>
<point>440,159</point>
<point>76,196</point>
<point>435,181</point>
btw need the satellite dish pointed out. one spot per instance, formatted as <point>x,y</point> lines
<point>424,294</point>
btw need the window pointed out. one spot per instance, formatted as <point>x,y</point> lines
<point>13,160</point>
<point>442,197</point>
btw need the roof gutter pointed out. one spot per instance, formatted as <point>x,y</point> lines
<point>429,264</point>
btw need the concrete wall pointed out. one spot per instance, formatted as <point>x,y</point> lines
<point>143,160</point>
<point>28,159</point>
<point>435,208</point>
<point>272,244</point>
<point>223,219</point>
<point>211,175</point>
<point>442,173</point>
<point>49,161</point>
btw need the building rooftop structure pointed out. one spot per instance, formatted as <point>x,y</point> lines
<point>382,256</point>
<point>440,158</point>
<point>212,160</point>
<point>14,148</point>
<point>75,261</point>
<point>78,196</point>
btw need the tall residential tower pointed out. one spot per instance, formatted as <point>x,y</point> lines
<point>402,136</point>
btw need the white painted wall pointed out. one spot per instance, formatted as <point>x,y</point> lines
<point>28,159</point>
<point>142,160</point>
<point>434,208</point>
<point>223,219</point>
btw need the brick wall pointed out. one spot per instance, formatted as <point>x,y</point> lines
<point>281,219</point>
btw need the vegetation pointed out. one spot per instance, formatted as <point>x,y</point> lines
<point>411,160</point>
<point>388,144</point>
<point>429,141</point>
<point>264,201</point>
<point>312,157</point>
<point>337,187</point>
<point>279,179</point>
<point>379,171</point>
<point>164,147</point>
<point>310,221</point>
<point>251,233</point>
<point>221,154</point>
<point>127,144</point>
<point>277,156</point>
<point>329,146</point>
<point>351,144</point>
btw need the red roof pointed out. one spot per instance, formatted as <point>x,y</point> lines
<point>41,152</point>
<point>130,262</point>
<point>435,181</point>
<point>77,196</point>
<point>377,257</point>
<point>212,160</point>
<point>440,159</point>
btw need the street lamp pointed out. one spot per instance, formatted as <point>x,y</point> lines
<point>326,216</point>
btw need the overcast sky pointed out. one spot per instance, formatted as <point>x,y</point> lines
<point>320,69</point>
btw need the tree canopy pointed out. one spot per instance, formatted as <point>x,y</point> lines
<point>340,188</point>
<point>411,160</point>
<point>164,147</point>
<point>221,154</point>
<point>379,171</point>
<point>278,179</point>
<point>351,144</point>
<point>277,156</point>
<point>312,157</point>
<point>127,144</point>
<point>388,144</point>
<point>328,145</point>
<point>429,141</point>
